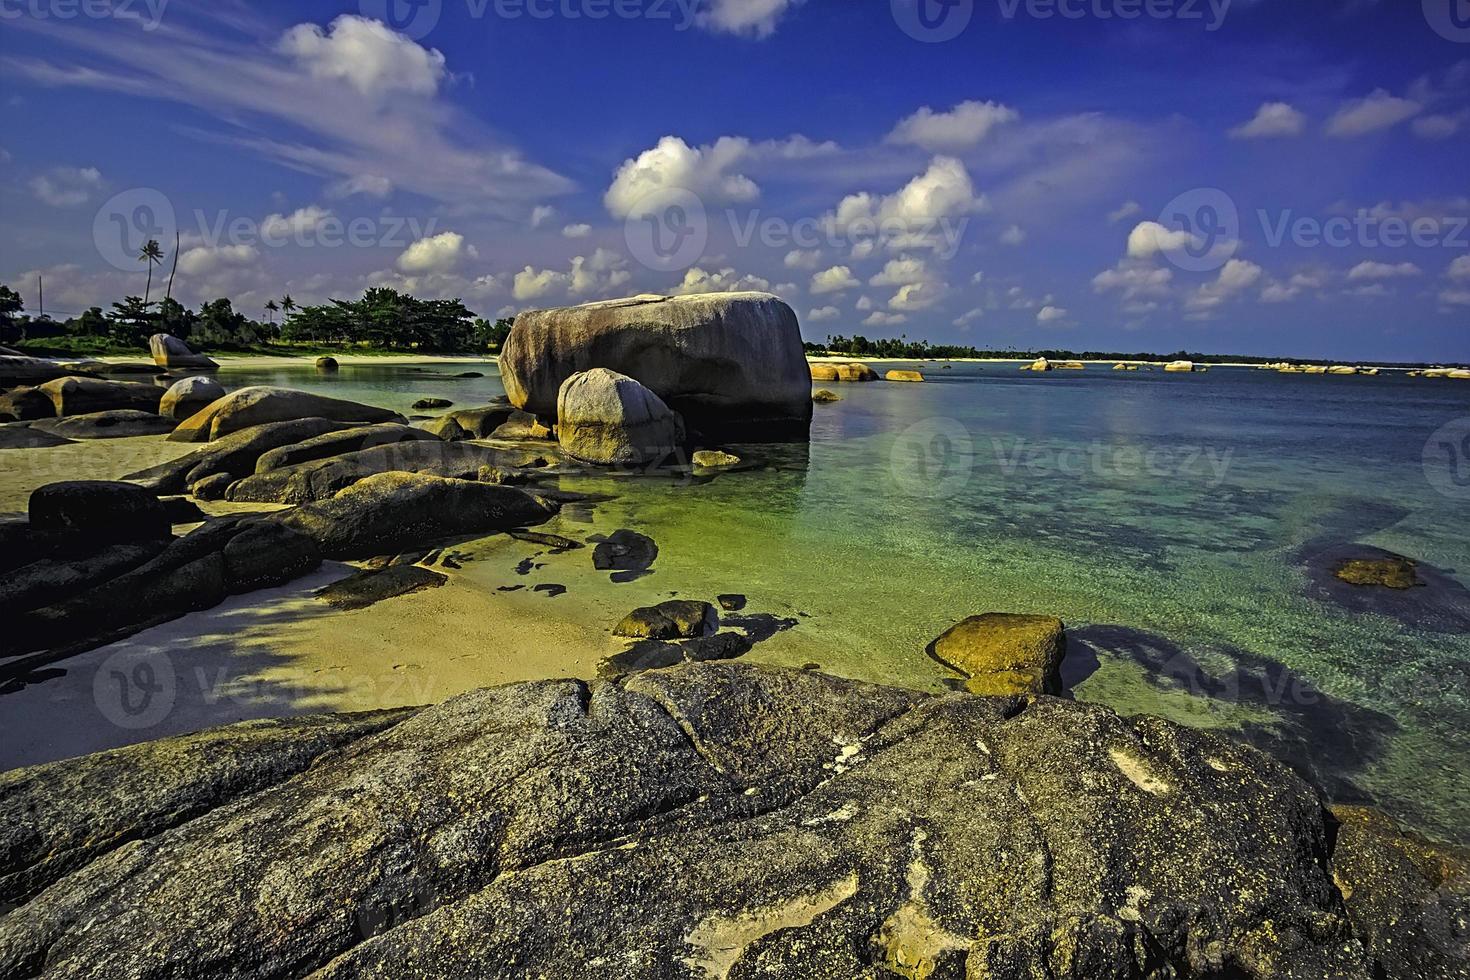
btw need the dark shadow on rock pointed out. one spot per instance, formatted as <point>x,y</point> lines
<point>1328,741</point>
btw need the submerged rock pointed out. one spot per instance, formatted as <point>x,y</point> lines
<point>714,459</point>
<point>189,396</point>
<point>427,403</point>
<point>731,602</point>
<point>711,820</point>
<point>259,404</point>
<point>327,365</point>
<point>375,585</point>
<point>732,364</point>
<point>172,353</point>
<point>675,619</point>
<point>1389,573</point>
<point>824,397</point>
<point>391,512</point>
<point>1005,654</point>
<point>610,419</point>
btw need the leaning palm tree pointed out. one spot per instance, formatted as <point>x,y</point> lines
<point>151,254</point>
<point>270,309</point>
<point>288,305</point>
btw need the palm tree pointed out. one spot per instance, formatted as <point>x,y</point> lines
<point>288,305</point>
<point>270,309</point>
<point>152,254</point>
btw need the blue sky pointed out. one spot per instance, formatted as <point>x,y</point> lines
<point>1275,176</point>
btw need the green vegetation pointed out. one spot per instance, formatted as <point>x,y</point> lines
<point>383,320</point>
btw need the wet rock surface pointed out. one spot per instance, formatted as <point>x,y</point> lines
<point>370,587</point>
<point>711,820</point>
<point>1005,654</point>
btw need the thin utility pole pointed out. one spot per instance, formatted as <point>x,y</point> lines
<point>41,293</point>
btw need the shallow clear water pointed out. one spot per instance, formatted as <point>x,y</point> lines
<point>1171,520</point>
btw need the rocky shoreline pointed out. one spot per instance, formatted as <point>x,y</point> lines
<point>711,820</point>
<point>686,814</point>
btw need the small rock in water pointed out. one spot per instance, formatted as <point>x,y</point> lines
<point>677,618</point>
<point>326,365</point>
<point>1005,654</point>
<point>626,553</point>
<point>555,542</point>
<point>732,602</point>
<point>424,404</point>
<point>551,589</point>
<point>824,397</point>
<point>367,588</point>
<point>715,460</point>
<point>1391,573</point>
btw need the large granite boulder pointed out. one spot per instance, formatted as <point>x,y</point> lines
<point>109,511</point>
<point>117,423</point>
<point>392,512</point>
<point>610,419</point>
<point>318,479</point>
<point>706,821</point>
<point>189,396</point>
<point>236,454</point>
<point>22,369</point>
<point>173,354</point>
<point>842,372</point>
<point>470,423</point>
<point>259,404</point>
<point>732,364</point>
<point>331,444</point>
<point>63,815</point>
<point>1005,654</point>
<point>1408,899</point>
<point>25,405</point>
<point>83,396</point>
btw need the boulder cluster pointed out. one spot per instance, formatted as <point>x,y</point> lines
<point>639,382</point>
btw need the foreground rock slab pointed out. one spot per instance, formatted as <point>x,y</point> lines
<point>711,821</point>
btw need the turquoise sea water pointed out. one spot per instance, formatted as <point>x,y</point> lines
<point>1184,526</point>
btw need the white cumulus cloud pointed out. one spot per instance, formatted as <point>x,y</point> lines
<point>1379,110</point>
<point>67,187</point>
<point>1272,120</point>
<point>367,55</point>
<point>441,253</point>
<point>833,280</point>
<point>961,127</point>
